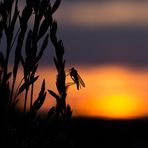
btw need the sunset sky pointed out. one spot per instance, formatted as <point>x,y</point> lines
<point>107,41</point>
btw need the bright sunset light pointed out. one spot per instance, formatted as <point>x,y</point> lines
<point>120,106</point>
<point>110,92</point>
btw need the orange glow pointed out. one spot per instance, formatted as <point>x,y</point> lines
<point>120,106</point>
<point>110,92</point>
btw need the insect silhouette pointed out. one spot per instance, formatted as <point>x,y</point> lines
<point>76,78</point>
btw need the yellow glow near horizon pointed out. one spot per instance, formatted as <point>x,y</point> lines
<point>110,92</point>
<point>120,106</point>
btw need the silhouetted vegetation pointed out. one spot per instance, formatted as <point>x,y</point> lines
<point>26,129</point>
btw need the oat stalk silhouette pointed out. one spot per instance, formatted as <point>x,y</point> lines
<point>21,38</point>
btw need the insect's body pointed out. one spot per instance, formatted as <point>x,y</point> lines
<point>76,78</point>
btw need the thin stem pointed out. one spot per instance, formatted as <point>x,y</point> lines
<point>10,18</point>
<point>27,78</point>
<point>13,84</point>
<point>15,38</point>
<point>25,103</point>
<point>31,99</point>
<point>16,94</point>
<point>6,64</point>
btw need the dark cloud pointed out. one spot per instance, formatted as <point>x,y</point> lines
<point>121,45</point>
<point>117,45</point>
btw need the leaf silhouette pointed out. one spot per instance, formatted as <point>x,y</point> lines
<point>28,43</point>
<point>60,48</point>
<point>27,11</point>
<point>36,6</point>
<point>38,102</point>
<point>45,5</point>
<point>34,71</point>
<point>44,45</point>
<point>15,16</point>
<point>53,31</point>
<point>55,62</point>
<point>53,94</point>
<point>26,85</point>
<point>55,6</point>
<point>2,60</point>
<point>44,27</point>
<point>25,16</point>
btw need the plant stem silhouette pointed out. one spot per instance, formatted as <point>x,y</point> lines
<point>31,40</point>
